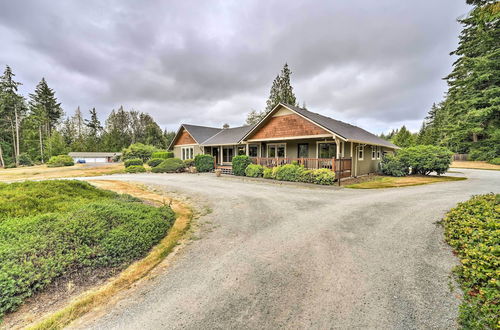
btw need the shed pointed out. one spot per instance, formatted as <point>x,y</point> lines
<point>95,157</point>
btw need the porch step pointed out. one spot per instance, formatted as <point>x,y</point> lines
<point>225,169</point>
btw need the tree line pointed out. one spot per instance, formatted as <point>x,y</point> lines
<point>34,128</point>
<point>467,120</point>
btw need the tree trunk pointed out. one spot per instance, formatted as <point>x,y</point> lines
<point>13,131</point>
<point>17,136</point>
<point>41,141</point>
<point>2,163</point>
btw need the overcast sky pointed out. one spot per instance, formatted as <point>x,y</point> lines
<point>376,64</point>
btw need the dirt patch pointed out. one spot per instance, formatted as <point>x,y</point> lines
<point>42,172</point>
<point>78,293</point>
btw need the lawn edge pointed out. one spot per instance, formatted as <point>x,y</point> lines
<point>102,295</point>
<point>357,185</point>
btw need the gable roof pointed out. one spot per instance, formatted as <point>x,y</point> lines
<point>228,136</point>
<point>198,133</point>
<point>345,131</point>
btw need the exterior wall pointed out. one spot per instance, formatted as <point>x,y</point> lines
<point>292,147</point>
<point>367,165</point>
<point>178,153</point>
<point>287,125</point>
<point>184,138</point>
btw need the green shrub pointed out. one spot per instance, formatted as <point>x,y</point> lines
<point>288,172</point>
<point>255,171</point>
<point>61,160</point>
<point>425,159</point>
<point>268,173</point>
<point>472,230</point>
<point>188,162</point>
<point>25,160</point>
<point>324,176</point>
<point>138,150</point>
<point>133,162</point>
<point>495,161</point>
<point>307,176</point>
<point>162,154</point>
<point>393,166</point>
<point>11,165</point>
<point>170,165</point>
<point>240,163</point>
<point>135,169</point>
<point>204,163</point>
<point>59,227</point>
<point>155,161</point>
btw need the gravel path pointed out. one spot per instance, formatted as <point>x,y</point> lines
<point>281,256</point>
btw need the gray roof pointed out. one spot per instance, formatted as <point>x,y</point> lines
<point>94,154</point>
<point>345,130</point>
<point>201,133</point>
<point>228,136</point>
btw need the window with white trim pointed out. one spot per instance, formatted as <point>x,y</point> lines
<point>361,152</point>
<point>379,152</point>
<point>276,150</point>
<point>187,153</point>
<point>374,152</point>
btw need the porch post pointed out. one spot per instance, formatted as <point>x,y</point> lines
<point>337,142</point>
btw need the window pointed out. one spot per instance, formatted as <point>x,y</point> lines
<point>303,150</point>
<point>276,150</point>
<point>361,152</point>
<point>227,155</point>
<point>253,150</point>
<point>379,151</point>
<point>187,153</point>
<point>327,150</point>
<point>374,152</point>
<point>241,150</point>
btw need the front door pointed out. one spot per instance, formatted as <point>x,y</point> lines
<point>215,153</point>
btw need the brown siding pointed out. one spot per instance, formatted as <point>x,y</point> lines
<point>286,126</point>
<point>185,138</point>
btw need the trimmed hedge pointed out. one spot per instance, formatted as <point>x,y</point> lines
<point>170,165</point>
<point>472,228</point>
<point>204,163</point>
<point>162,154</point>
<point>61,160</point>
<point>135,169</point>
<point>422,159</point>
<point>288,172</point>
<point>254,171</point>
<point>133,162</point>
<point>52,228</point>
<point>155,161</point>
<point>240,163</point>
<point>296,173</point>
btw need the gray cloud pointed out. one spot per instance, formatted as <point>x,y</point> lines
<point>375,64</point>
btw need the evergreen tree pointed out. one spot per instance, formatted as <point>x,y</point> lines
<point>94,132</point>
<point>281,91</point>
<point>118,134</point>
<point>403,138</point>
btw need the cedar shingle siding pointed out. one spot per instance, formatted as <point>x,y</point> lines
<point>287,126</point>
<point>185,138</point>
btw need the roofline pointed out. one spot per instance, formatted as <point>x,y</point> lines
<point>299,114</point>
<point>179,130</point>
<point>374,144</point>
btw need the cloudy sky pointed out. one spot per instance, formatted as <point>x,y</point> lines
<point>376,64</point>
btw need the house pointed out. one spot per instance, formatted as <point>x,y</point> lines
<point>288,134</point>
<point>94,157</point>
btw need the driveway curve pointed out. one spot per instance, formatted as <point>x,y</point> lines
<point>282,256</point>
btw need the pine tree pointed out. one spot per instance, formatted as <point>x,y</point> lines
<point>94,131</point>
<point>281,91</point>
<point>403,138</point>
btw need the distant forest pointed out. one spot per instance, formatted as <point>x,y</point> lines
<point>36,128</point>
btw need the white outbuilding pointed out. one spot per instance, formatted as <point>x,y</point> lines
<point>94,157</point>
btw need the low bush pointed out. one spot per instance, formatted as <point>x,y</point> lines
<point>155,161</point>
<point>170,165</point>
<point>268,173</point>
<point>393,166</point>
<point>162,154</point>
<point>323,176</point>
<point>11,165</point>
<point>138,150</point>
<point>240,164</point>
<point>288,172</point>
<point>59,161</point>
<point>25,160</point>
<point>133,162</point>
<point>472,229</point>
<point>52,228</point>
<point>204,163</point>
<point>188,162</point>
<point>255,171</point>
<point>135,169</point>
<point>495,161</point>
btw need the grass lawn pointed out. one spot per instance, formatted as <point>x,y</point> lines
<point>49,229</point>
<point>41,172</point>
<point>394,182</point>
<point>477,165</point>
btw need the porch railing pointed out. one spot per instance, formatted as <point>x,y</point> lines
<point>342,166</point>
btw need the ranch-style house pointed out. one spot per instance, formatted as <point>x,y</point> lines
<point>288,134</point>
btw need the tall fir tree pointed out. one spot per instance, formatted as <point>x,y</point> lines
<point>403,138</point>
<point>94,132</point>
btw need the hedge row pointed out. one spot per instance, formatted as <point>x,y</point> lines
<point>472,228</point>
<point>293,173</point>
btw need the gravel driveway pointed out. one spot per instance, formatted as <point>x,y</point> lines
<point>281,256</point>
